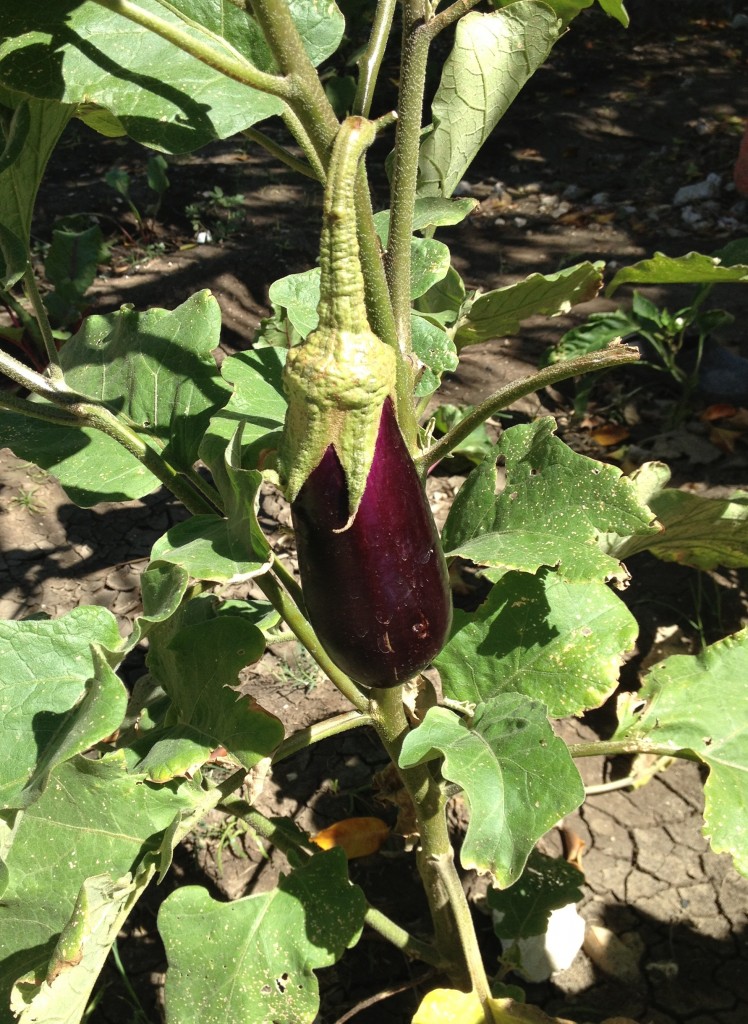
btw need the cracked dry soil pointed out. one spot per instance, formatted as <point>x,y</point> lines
<point>641,114</point>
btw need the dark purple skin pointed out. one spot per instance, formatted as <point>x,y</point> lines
<point>377,594</point>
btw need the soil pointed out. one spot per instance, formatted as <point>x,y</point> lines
<point>585,165</point>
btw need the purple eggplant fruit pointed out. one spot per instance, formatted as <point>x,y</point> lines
<point>377,590</point>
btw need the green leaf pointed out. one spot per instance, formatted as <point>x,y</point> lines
<point>298,296</point>
<point>595,334</point>
<point>695,530</point>
<point>162,96</point>
<point>33,131</point>
<point>90,466</point>
<point>91,814</point>
<point>547,884</point>
<point>693,268</point>
<point>207,549</point>
<point>84,943</point>
<point>430,261</point>
<point>557,642</point>
<point>71,266</point>
<point>59,696</point>
<point>444,299</point>
<point>264,949</point>
<point>493,56</point>
<point>546,484</point>
<point>500,312</point>
<point>155,367</point>
<point>517,776</point>
<point>697,704</point>
<point>428,213</point>
<point>196,656</point>
<point>257,402</point>
<point>436,351</point>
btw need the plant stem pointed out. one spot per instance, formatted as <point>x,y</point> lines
<point>293,617</point>
<point>612,748</point>
<point>304,738</point>
<point>42,320</point>
<point>229,63</point>
<point>297,842</point>
<point>449,15</point>
<point>415,47</point>
<point>272,147</point>
<point>300,134</point>
<point>453,925</point>
<point>371,60</point>
<point>306,96</point>
<point>404,941</point>
<point>615,355</point>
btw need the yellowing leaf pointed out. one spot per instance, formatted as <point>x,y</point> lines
<point>357,837</point>
<point>610,434</point>
<point>447,1005</point>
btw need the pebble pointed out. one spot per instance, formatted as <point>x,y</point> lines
<point>700,191</point>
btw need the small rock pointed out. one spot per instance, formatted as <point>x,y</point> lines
<point>560,210</point>
<point>573,193</point>
<point>600,199</point>
<point>701,190</point>
<point>520,222</point>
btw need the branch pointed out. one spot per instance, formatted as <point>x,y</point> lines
<point>615,355</point>
<point>612,748</point>
<point>272,147</point>
<point>371,60</point>
<point>304,738</point>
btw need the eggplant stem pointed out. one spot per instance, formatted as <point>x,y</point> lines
<point>615,355</point>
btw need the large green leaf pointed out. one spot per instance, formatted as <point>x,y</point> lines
<point>557,642</point>
<point>58,696</point>
<point>517,776</point>
<point>154,367</point>
<point>90,466</point>
<point>78,52</point>
<point>699,704</point>
<point>693,268</point>
<point>264,949</point>
<point>547,484</point>
<point>92,814</point>
<point>696,530</point>
<point>32,130</point>
<point>500,312</point>
<point>493,56</point>
<point>196,656</point>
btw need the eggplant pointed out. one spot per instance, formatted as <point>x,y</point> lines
<point>376,588</point>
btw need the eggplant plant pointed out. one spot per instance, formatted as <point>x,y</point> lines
<point>107,781</point>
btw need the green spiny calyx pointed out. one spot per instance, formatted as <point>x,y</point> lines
<point>338,379</point>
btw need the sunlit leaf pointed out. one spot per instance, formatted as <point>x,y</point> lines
<point>356,837</point>
<point>517,776</point>
<point>693,268</point>
<point>699,703</point>
<point>493,56</point>
<point>557,642</point>
<point>163,97</point>
<point>500,312</point>
<point>264,948</point>
<point>547,484</point>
